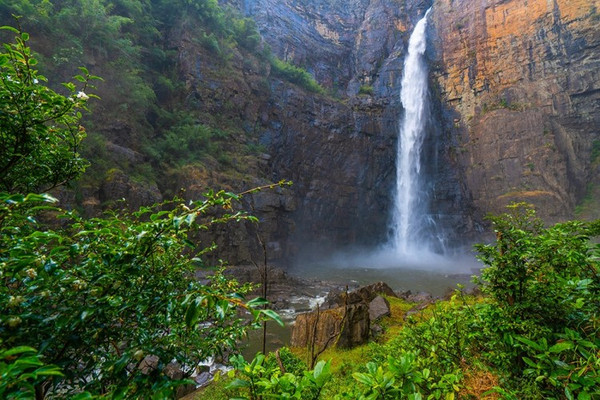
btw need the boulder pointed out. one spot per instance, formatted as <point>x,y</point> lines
<point>364,294</point>
<point>149,364</point>
<point>173,371</point>
<point>379,308</point>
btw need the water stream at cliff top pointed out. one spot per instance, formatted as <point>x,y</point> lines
<point>409,216</point>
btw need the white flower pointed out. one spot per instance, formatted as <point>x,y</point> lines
<point>35,81</point>
<point>31,273</point>
<point>82,96</point>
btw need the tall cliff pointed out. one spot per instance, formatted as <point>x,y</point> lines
<point>342,158</point>
<point>520,87</point>
<point>515,113</point>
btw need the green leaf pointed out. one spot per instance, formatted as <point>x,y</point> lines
<point>238,383</point>
<point>273,315</point>
<point>49,370</point>
<point>584,396</point>
<point>193,311</point>
<point>258,301</point>
<point>529,362</point>
<point>529,343</point>
<point>363,378</point>
<point>83,396</point>
<point>560,347</point>
<point>17,350</point>
<point>568,394</point>
<point>9,28</point>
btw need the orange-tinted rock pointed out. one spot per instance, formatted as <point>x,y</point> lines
<point>524,77</point>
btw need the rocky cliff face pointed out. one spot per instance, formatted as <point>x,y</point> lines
<point>515,107</point>
<point>520,87</point>
<point>341,154</point>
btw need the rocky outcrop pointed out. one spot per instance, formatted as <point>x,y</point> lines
<point>345,320</point>
<point>520,88</point>
<point>364,294</point>
<point>343,327</point>
<point>119,186</point>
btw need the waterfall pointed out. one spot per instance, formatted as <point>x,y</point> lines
<point>408,216</point>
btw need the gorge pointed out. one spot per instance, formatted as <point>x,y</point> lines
<point>149,222</point>
<point>516,109</point>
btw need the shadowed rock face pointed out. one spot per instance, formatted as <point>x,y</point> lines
<point>520,88</point>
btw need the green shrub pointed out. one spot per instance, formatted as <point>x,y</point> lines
<point>544,287</point>
<point>109,304</point>
<point>260,379</point>
<point>366,90</point>
<point>31,113</point>
<point>296,75</point>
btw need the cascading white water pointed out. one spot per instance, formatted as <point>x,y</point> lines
<point>414,100</point>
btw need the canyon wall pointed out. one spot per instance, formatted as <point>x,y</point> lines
<point>514,116</point>
<point>340,151</point>
<point>515,108</point>
<point>520,86</point>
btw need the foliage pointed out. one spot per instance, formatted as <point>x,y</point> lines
<point>31,114</point>
<point>366,90</point>
<point>595,151</point>
<point>20,370</point>
<point>544,287</point>
<point>423,360</point>
<point>120,288</point>
<point>294,74</point>
<point>538,329</point>
<point>187,141</point>
<point>546,276</point>
<point>103,306</point>
<point>260,378</point>
<point>128,42</point>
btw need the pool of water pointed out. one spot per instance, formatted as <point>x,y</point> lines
<point>429,273</point>
<point>424,272</point>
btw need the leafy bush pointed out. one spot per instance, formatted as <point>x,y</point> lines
<point>187,141</point>
<point>538,329</point>
<point>296,75</point>
<point>260,379</point>
<point>21,370</point>
<point>31,113</point>
<point>100,295</point>
<point>542,322</point>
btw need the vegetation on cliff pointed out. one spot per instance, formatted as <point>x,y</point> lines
<point>149,126</point>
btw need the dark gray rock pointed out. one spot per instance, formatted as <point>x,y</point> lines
<point>379,308</point>
<point>366,294</point>
<point>149,364</point>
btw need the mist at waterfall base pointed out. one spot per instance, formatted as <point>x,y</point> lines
<point>416,256</point>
